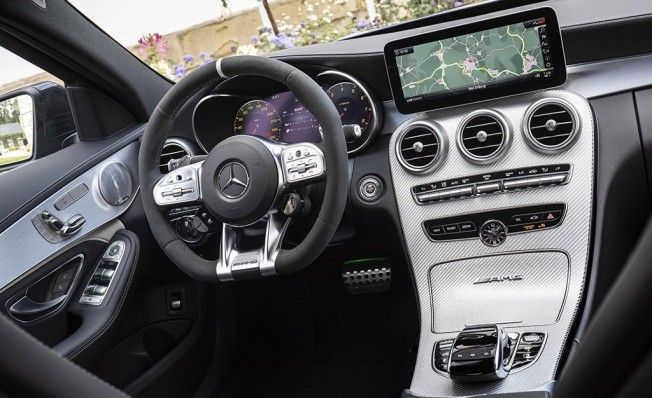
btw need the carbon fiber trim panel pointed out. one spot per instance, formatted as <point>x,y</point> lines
<point>499,289</point>
<point>572,237</point>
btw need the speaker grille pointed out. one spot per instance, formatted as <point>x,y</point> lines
<point>115,184</point>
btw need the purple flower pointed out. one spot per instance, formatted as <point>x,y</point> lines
<point>187,58</point>
<point>206,59</point>
<point>283,41</point>
<point>458,3</point>
<point>254,39</point>
<point>362,24</point>
<point>179,71</point>
<point>265,29</point>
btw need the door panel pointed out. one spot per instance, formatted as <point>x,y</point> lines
<point>34,232</point>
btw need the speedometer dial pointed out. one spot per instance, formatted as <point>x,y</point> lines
<point>352,104</point>
<point>258,118</point>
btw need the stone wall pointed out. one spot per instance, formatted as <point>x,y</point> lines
<point>218,36</point>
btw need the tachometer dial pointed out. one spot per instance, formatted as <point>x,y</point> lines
<point>258,118</point>
<point>352,104</point>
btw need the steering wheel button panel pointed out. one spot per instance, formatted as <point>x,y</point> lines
<point>178,186</point>
<point>302,162</point>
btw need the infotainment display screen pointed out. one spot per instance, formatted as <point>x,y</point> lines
<point>493,58</point>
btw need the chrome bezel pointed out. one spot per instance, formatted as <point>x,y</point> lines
<point>374,126</point>
<point>181,142</point>
<point>442,150</point>
<point>502,149</point>
<point>550,149</point>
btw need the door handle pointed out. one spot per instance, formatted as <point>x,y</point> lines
<point>26,308</point>
<point>63,229</point>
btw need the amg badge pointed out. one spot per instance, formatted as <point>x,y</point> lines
<point>516,277</point>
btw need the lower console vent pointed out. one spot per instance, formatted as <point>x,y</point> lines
<point>483,137</point>
<point>551,125</point>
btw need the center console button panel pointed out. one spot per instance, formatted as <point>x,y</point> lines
<point>501,181</point>
<point>507,222</point>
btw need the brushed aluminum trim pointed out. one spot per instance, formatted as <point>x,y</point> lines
<point>23,248</point>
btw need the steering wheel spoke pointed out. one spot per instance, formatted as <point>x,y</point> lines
<point>236,265</point>
<point>180,186</point>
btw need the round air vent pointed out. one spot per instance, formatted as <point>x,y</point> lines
<point>483,136</point>
<point>551,125</point>
<point>421,147</point>
<point>173,149</point>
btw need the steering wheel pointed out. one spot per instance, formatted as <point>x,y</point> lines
<point>246,179</point>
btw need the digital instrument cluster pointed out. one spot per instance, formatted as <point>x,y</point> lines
<point>263,108</point>
<point>282,118</point>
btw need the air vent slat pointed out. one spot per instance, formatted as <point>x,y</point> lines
<point>419,157</point>
<point>482,137</point>
<point>419,147</point>
<point>171,151</point>
<point>553,137</point>
<point>551,126</point>
<point>481,125</point>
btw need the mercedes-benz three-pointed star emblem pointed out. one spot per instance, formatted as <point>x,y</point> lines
<point>233,180</point>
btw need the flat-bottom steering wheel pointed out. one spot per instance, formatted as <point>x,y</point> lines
<point>246,179</point>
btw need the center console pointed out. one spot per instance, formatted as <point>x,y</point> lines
<point>499,245</point>
<point>494,199</point>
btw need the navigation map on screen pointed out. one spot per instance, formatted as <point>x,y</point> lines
<point>475,61</point>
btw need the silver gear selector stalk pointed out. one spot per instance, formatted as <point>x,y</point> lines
<point>480,353</point>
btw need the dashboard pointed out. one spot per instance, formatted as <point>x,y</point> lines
<point>475,158</point>
<point>473,138</point>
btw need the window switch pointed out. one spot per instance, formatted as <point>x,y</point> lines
<point>103,275</point>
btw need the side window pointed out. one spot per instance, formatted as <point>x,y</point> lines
<point>26,90</point>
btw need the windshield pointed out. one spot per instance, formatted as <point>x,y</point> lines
<point>175,37</point>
